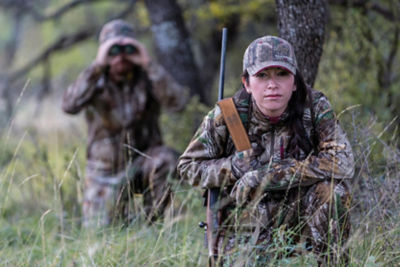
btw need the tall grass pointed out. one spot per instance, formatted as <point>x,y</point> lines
<point>41,177</point>
<point>40,214</point>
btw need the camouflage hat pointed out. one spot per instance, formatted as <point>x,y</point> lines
<point>269,51</point>
<point>114,29</point>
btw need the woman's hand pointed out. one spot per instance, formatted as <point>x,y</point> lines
<point>266,178</point>
<point>243,162</point>
<point>245,186</point>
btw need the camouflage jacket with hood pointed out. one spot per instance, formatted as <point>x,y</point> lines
<point>207,159</point>
<point>121,116</point>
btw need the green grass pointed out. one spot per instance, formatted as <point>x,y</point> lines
<point>40,215</point>
<point>41,179</point>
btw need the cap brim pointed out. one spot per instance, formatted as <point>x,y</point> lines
<point>265,65</point>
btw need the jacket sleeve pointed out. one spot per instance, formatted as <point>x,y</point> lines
<point>168,92</point>
<point>203,162</point>
<point>334,158</point>
<point>79,93</point>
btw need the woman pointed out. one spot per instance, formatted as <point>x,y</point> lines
<point>292,177</point>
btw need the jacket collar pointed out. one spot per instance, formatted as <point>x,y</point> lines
<point>266,120</point>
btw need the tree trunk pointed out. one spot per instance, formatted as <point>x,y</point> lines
<point>10,52</point>
<point>302,23</point>
<point>173,44</point>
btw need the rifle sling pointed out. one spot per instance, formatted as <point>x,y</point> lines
<point>235,125</point>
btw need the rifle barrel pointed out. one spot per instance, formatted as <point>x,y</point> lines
<point>222,65</point>
<point>213,193</point>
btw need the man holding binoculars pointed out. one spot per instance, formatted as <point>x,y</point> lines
<point>122,92</point>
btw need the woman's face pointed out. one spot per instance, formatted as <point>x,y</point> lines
<point>271,89</point>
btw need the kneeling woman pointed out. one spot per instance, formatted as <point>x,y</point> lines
<point>293,177</point>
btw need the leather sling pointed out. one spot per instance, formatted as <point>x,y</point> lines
<point>235,125</point>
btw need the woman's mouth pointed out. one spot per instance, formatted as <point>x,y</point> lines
<point>272,96</point>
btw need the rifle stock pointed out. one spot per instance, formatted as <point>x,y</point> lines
<point>212,225</point>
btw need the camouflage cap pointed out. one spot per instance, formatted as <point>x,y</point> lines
<point>269,51</point>
<point>114,29</point>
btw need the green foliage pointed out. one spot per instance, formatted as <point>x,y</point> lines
<point>354,64</point>
<point>178,128</point>
<point>40,186</point>
<point>41,175</point>
<point>254,9</point>
<point>40,218</point>
<point>5,30</point>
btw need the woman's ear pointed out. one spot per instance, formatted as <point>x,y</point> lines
<point>246,85</point>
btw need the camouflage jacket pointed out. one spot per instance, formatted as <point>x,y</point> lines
<point>207,159</point>
<point>121,116</point>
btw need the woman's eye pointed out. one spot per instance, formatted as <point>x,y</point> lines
<point>261,75</point>
<point>283,73</point>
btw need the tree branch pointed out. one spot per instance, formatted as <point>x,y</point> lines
<point>126,11</point>
<point>27,6</point>
<point>30,7</point>
<point>367,4</point>
<point>62,43</point>
<point>394,48</point>
<point>61,11</point>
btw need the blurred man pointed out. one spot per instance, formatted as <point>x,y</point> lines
<point>121,93</point>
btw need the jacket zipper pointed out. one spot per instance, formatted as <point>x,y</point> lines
<point>272,142</point>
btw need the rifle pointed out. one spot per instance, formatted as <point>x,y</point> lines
<point>212,231</point>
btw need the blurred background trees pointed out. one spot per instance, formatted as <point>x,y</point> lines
<point>47,42</point>
<point>348,49</point>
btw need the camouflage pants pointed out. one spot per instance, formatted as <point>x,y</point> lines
<point>300,220</point>
<point>109,197</point>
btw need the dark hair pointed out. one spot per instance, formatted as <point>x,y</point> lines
<point>299,139</point>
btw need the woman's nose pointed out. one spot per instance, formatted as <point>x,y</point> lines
<point>271,83</point>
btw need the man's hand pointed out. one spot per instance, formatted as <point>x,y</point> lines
<point>102,58</point>
<point>140,58</point>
